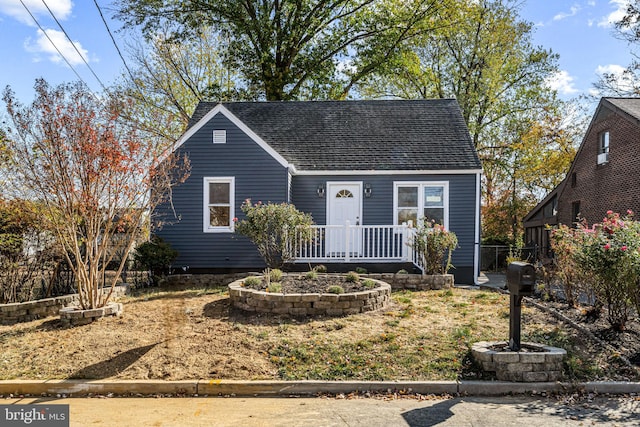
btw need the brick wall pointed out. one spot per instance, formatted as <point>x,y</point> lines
<point>611,186</point>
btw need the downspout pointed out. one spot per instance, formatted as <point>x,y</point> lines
<point>476,253</point>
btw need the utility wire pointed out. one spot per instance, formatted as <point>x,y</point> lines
<point>54,45</point>
<point>113,40</point>
<point>74,46</point>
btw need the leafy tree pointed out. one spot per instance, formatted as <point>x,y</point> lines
<point>292,49</point>
<point>626,83</point>
<point>486,60</point>
<point>95,178</point>
<point>274,228</point>
<point>169,77</point>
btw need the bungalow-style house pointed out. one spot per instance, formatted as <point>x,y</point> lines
<point>605,174</point>
<point>364,170</point>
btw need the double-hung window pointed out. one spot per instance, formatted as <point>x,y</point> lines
<point>218,199</point>
<point>417,201</point>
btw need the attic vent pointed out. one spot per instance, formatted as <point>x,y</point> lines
<point>220,136</point>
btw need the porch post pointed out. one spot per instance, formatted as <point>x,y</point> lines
<point>346,241</point>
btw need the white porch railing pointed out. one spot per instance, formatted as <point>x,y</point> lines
<point>357,243</point>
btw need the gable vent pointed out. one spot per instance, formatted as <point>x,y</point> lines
<point>220,136</point>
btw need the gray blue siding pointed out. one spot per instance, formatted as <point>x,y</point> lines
<point>258,176</point>
<point>378,209</point>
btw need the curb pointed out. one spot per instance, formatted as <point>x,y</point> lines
<point>288,388</point>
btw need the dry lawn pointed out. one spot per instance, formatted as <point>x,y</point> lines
<point>178,334</point>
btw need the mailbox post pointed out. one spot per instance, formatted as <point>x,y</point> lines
<point>521,280</point>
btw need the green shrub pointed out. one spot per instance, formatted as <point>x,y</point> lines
<point>252,281</point>
<point>320,268</point>
<point>434,245</point>
<point>335,289</point>
<point>369,283</point>
<point>275,275</point>
<point>273,228</point>
<point>352,277</point>
<point>275,287</point>
<point>156,256</point>
<point>311,275</point>
<point>403,271</point>
<point>361,270</point>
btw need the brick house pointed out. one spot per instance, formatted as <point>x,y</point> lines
<point>605,174</point>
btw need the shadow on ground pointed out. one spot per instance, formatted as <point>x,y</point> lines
<point>114,366</point>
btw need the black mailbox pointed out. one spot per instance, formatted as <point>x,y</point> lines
<point>521,278</point>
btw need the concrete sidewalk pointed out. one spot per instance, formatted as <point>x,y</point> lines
<point>472,411</point>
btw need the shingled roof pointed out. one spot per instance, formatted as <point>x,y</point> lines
<point>360,135</point>
<point>631,106</point>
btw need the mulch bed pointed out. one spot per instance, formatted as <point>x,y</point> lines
<point>293,284</point>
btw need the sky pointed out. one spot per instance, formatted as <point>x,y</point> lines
<point>580,31</point>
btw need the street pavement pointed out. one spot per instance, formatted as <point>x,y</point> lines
<point>530,411</point>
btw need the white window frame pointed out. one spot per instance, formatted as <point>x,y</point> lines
<point>421,185</point>
<point>207,228</point>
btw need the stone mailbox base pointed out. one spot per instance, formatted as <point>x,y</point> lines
<point>533,363</point>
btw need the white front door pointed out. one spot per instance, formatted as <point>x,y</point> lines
<point>344,207</point>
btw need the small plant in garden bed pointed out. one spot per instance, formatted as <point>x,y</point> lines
<point>352,276</point>
<point>335,289</point>
<point>309,283</point>
<point>311,275</point>
<point>275,287</point>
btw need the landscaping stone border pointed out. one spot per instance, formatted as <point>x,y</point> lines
<point>309,304</point>
<point>73,316</point>
<point>418,282</point>
<point>13,313</point>
<point>543,364</point>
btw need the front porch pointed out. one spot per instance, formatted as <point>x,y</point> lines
<point>357,244</point>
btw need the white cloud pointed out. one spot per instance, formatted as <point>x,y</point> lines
<point>624,79</point>
<point>591,3</point>
<point>14,8</point>
<point>616,15</point>
<point>610,69</point>
<point>562,82</point>
<point>42,45</point>
<point>562,15</point>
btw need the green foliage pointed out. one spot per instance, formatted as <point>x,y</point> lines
<point>252,281</point>
<point>292,49</point>
<point>156,255</point>
<point>609,254</point>
<point>275,287</point>
<point>434,245</point>
<point>311,275</point>
<point>352,277</point>
<point>361,270</point>
<point>274,228</point>
<point>369,283</point>
<point>275,275</point>
<point>335,289</point>
<point>28,253</point>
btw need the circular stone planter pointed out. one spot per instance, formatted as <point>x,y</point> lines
<point>301,304</point>
<point>533,363</point>
<point>74,316</point>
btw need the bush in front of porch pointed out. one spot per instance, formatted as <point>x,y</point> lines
<point>434,246</point>
<point>274,228</point>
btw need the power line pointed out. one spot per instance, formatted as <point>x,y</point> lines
<point>113,40</point>
<point>53,44</point>
<point>74,46</point>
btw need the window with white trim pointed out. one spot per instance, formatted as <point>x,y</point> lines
<point>414,201</point>
<point>218,196</point>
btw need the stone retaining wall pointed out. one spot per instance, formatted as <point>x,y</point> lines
<point>417,282</point>
<point>541,364</point>
<point>309,304</point>
<point>13,313</point>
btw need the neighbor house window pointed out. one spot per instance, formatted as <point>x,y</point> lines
<point>604,143</point>
<point>414,201</point>
<point>603,148</point>
<point>218,204</point>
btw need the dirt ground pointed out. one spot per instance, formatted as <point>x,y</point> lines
<point>178,334</point>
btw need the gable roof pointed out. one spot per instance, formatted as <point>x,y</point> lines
<point>356,135</point>
<point>631,106</point>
